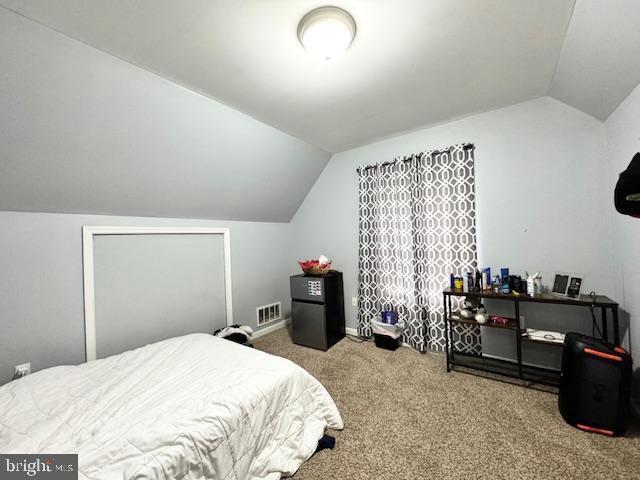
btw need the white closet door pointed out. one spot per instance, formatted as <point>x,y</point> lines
<point>153,287</point>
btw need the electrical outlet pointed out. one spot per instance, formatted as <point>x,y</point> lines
<point>22,370</point>
<point>354,301</point>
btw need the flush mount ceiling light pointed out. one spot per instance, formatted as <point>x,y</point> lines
<point>326,32</point>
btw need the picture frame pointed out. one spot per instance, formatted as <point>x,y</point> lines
<point>567,284</point>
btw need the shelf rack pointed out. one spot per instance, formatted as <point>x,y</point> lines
<point>517,369</point>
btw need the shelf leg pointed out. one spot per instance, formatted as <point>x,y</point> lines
<point>450,337</point>
<point>446,330</point>
<point>518,338</point>
<point>605,333</point>
<point>616,326</point>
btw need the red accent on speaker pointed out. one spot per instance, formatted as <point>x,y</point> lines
<point>601,431</point>
<point>608,356</point>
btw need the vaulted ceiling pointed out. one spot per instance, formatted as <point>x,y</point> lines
<point>600,60</point>
<point>413,62</point>
<point>82,131</point>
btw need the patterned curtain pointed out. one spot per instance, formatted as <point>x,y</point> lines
<point>417,226</point>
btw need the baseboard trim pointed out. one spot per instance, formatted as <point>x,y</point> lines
<point>354,332</point>
<point>287,321</point>
<point>271,328</point>
<point>507,359</point>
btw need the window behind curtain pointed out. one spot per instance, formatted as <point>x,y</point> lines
<point>417,226</point>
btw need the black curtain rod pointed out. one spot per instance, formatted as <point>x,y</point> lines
<point>466,146</point>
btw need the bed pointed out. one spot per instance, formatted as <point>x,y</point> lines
<point>191,407</point>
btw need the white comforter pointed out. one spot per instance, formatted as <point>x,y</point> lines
<point>192,407</point>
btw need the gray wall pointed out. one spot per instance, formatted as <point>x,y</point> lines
<point>41,302</point>
<point>623,142</point>
<point>153,287</point>
<point>540,203</point>
<point>84,132</point>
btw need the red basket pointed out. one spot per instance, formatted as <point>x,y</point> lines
<point>314,267</point>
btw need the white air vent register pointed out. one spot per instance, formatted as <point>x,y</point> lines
<point>268,313</point>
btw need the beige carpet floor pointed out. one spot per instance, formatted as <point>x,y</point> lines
<point>405,418</point>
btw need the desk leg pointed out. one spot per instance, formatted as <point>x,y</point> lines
<point>616,327</point>
<point>452,357</point>
<point>446,330</point>
<point>518,338</point>
<point>605,332</point>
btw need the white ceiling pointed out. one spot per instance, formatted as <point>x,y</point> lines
<point>600,61</point>
<point>413,63</point>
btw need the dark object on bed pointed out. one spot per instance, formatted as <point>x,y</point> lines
<point>595,385</point>
<point>627,194</point>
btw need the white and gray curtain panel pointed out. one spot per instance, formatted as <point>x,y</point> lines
<point>417,226</point>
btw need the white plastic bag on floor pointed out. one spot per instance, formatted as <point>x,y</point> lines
<point>380,328</point>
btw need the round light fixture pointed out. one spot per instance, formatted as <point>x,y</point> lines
<point>326,32</point>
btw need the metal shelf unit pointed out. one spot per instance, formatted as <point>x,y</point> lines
<point>517,369</point>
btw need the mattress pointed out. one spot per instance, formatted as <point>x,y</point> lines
<point>192,407</point>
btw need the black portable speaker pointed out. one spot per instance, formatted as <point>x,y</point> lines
<point>595,385</point>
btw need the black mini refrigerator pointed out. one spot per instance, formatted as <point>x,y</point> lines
<point>317,310</point>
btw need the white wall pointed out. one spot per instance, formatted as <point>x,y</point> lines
<point>541,204</point>
<point>41,302</point>
<point>622,143</point>
<point>84,132</point>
